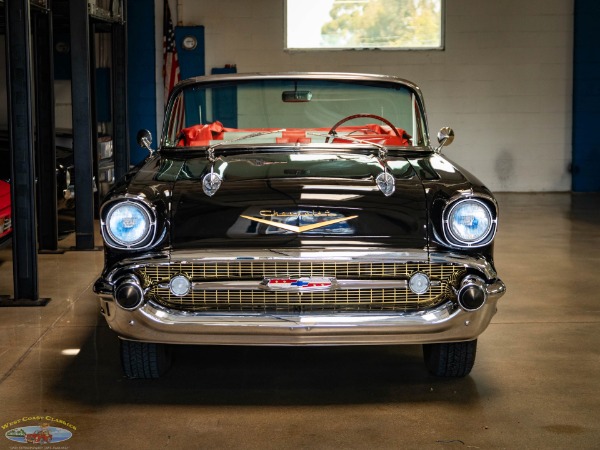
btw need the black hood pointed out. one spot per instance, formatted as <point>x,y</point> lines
<point>271,200</point>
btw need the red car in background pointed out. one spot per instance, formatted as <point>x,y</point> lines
<point>5,212</point>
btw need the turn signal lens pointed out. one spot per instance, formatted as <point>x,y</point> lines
<point>419,283</point>
<point>180,285</point>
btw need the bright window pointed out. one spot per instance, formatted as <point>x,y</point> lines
<point>368,24</point>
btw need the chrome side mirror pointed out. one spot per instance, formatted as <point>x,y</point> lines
<point>445,137</point>
<point>144,140</point>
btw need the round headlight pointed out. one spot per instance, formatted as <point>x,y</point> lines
<point>470,221</point>
<point>128,224</point>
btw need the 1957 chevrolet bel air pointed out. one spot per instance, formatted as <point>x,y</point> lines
<point>298,209</point>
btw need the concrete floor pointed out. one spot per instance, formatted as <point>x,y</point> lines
<point>535,383</point>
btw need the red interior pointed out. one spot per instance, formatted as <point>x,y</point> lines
<point>202,135</point>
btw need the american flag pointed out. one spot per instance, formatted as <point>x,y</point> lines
<point>171,66</point>
<point>170,62</point>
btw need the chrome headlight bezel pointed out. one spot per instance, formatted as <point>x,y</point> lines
<point>487,235</point>
<point>110,236</point>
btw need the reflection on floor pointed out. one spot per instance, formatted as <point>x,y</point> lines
<point>534,385</point>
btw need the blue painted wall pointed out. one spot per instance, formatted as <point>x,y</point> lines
<point>191,62</point>
<point>141,96</point>
<point>586,97</point>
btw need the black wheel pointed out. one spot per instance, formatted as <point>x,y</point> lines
<point>144,360</point>
<point>451,359</point>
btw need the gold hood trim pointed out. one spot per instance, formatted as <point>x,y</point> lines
<point>299,229</point>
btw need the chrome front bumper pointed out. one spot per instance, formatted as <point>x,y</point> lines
<point>446,323</point>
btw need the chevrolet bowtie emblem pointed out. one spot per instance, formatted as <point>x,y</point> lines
<point>299,284</point>
<point>300,228</point>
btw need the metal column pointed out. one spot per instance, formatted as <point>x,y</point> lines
<point>45,145</point>
<point>82,124</point>
<point>119,100</point>
<point>25,267</point>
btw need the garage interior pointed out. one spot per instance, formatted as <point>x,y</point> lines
<point>517,82</point>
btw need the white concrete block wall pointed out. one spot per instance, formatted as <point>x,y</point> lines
<point>503,82</point>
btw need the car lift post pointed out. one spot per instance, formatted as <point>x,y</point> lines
<point>45,150</point>
<point>25,268</point>
<point>81,95</point>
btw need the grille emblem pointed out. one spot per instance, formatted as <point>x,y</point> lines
<point>299,284</point>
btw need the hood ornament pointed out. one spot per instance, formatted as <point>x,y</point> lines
<point>211,182</point>
<point>385,181</point>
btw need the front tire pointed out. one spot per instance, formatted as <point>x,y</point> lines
<point>450,359</point>
<point>144,360</point>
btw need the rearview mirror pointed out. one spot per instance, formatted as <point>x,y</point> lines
<point>296,96</point>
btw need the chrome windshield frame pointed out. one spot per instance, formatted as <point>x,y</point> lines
<point>325,76</point>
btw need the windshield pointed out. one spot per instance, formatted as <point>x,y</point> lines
<point>289,111</point>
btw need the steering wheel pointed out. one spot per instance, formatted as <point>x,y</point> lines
<point>331,132</point>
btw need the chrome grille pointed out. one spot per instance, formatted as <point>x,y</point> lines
<point>443,276</point>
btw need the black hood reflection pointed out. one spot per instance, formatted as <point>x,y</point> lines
<point>281,199</point>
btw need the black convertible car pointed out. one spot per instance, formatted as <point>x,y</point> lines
<point>298,209</point>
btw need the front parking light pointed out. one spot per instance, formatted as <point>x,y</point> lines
<point>180,285</point>
<point>419,283</point>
